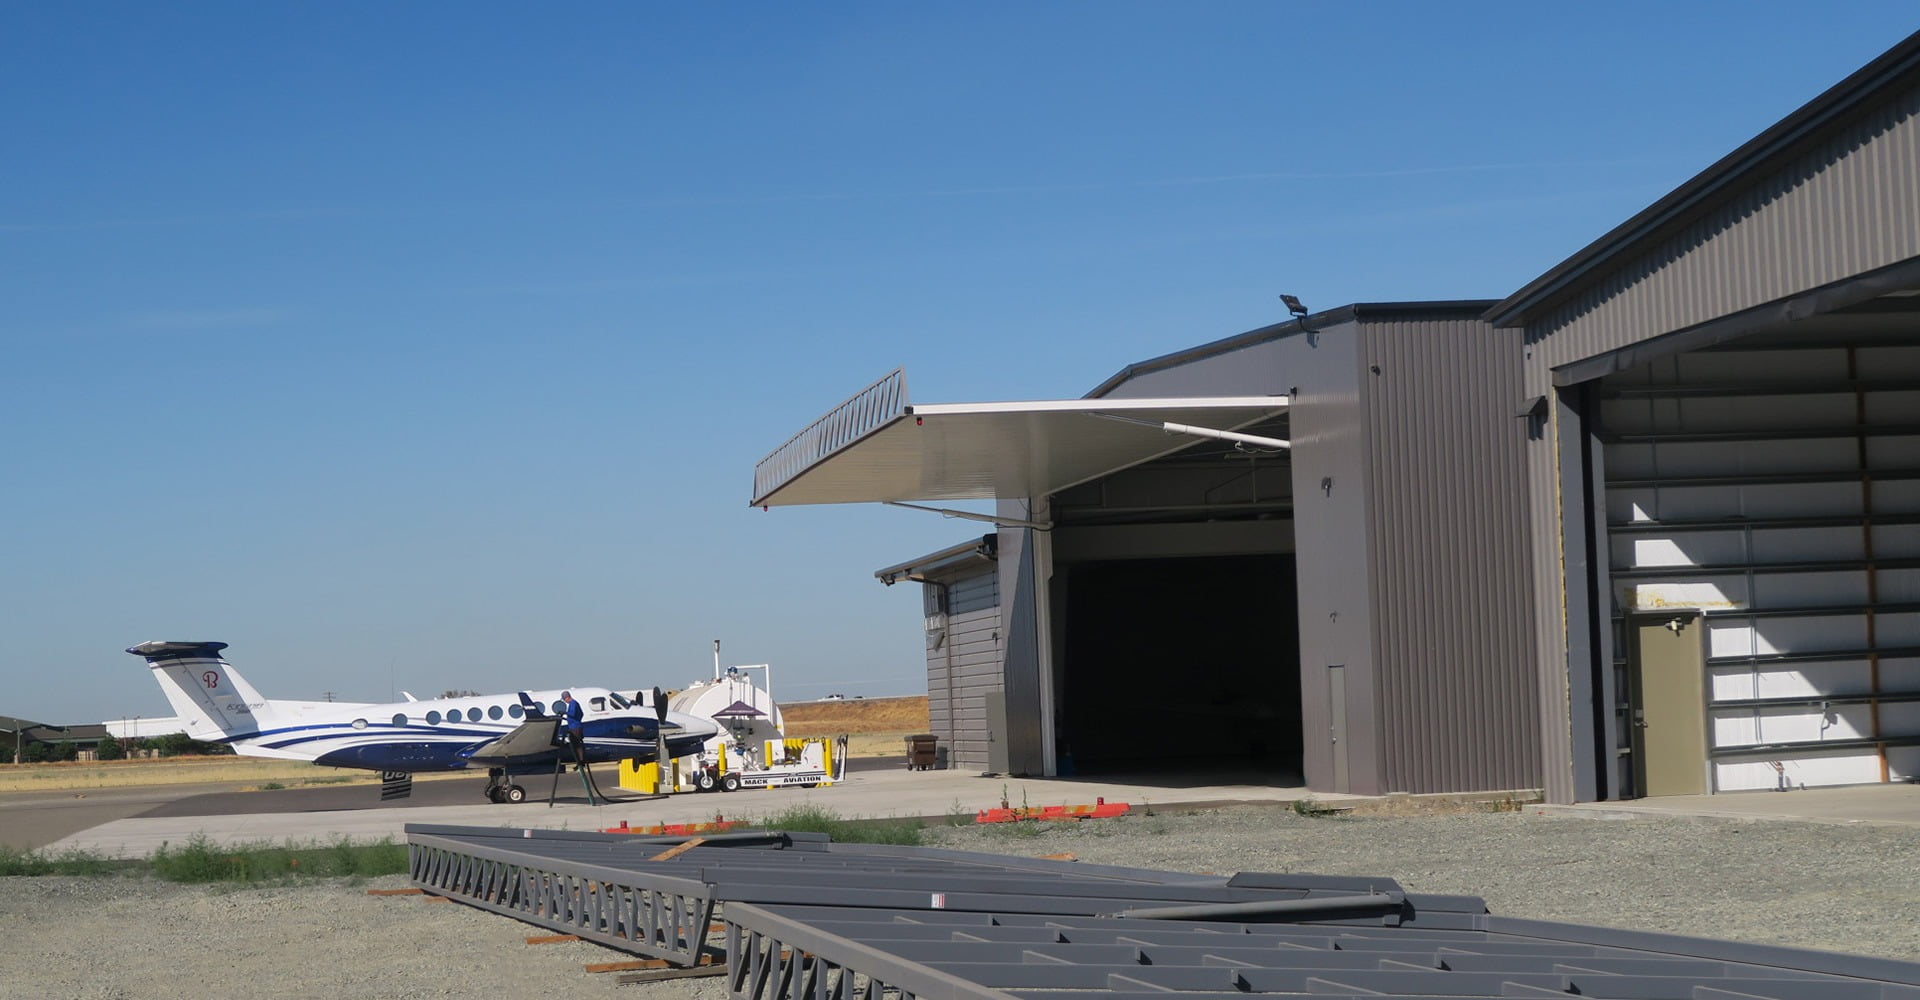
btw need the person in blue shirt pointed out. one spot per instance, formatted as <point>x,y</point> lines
<point>575,727</point>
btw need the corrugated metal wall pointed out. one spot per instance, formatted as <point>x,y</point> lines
<point>1024,571</point>
<point>1848,206</point>
<point>1547,605</point>
<point>1844,208</point>
<point>964,665</point>
<point>1331,500</point>
<point>1451,588</point>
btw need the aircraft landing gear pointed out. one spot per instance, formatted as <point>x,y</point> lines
<point>499,789</point>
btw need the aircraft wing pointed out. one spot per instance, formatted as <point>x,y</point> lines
<point>530,739</point>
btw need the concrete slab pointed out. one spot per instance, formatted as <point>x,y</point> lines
<point>863,794</point>
<point>1895,804</point>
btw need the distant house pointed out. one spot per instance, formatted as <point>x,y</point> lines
<point>16,735</point>
<point>10,739</point>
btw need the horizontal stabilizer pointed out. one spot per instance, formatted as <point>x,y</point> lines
<point>157,649</point>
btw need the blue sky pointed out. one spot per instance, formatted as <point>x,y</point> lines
<point>431,345</point>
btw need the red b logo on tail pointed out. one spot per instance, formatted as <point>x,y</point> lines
<point>210,679</point>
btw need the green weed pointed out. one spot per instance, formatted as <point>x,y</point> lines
<point>201,860</point>
<point>858,830</point>
<point>1312,808</point>
<point>14,861</point>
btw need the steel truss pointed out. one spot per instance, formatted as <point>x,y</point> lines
<point>802,918</point>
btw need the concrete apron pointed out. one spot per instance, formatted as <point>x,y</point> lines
<point>905,794</point>
<point>1894,804</point>
<point>861,795</point>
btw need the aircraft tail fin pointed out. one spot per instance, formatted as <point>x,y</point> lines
<point>213,700</point>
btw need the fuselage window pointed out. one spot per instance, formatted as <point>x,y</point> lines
<point>433,718</point>
<point>599,704</point>
<point>359,723</point>
<point>453,715</point>
<point>493,712</point>
<point>513,710</point>
<point>619,702</point>
<point>400,719</point>
<point>559,708</point>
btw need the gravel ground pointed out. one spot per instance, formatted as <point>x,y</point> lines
<point>1842,888</point>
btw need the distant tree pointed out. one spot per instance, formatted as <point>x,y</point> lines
<point>459,694</point>
<point>172,744</point>
<point>63,751</point>
<point>33,753</point>
<point>109,749</point>
<point>133,745</point>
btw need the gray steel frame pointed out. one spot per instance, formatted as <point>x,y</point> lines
<point>657,915</point>
<point>803,918</point>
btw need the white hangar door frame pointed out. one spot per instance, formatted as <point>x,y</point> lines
<point>1774,487</point>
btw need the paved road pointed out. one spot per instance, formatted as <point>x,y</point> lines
<point>32,820</point>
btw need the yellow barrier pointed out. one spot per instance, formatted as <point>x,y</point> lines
<point>645,778</point>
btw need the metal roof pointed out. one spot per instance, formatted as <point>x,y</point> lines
<point>1898,68</point>
<point>984,549</point>
<point>802,917</point>
<point>1305,324</point>
<point>876,447</point>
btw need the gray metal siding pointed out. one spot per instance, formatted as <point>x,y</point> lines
<point>1331,500</point>
<point>1449,556</point>
<point>963,666</point>
<point>1547,603</point>
<point>1021,636</point>
<point>1848,206</point>
<point>1259,369</point>
<point>1412,545</point>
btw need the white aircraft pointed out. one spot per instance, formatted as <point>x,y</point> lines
<point>512,734</point>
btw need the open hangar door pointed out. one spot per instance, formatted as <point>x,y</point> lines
<point>1029,457</point>
<point>1763,539</point>
<point>1176,628</point>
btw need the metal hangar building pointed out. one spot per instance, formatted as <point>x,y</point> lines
<point>1649,525</point>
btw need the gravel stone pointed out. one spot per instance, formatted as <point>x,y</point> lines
<point>1829,886</point>
<point>1835,887</point>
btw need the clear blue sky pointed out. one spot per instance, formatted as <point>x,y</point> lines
<point>431,345</point>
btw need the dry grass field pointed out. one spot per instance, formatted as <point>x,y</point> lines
<point>858,716</point>
<point>82,775</point>
<point>876,727</point>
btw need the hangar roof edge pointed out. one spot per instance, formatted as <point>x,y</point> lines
<point>1313,321</point>
<point>1897,68</point>
<point>983,549</point>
